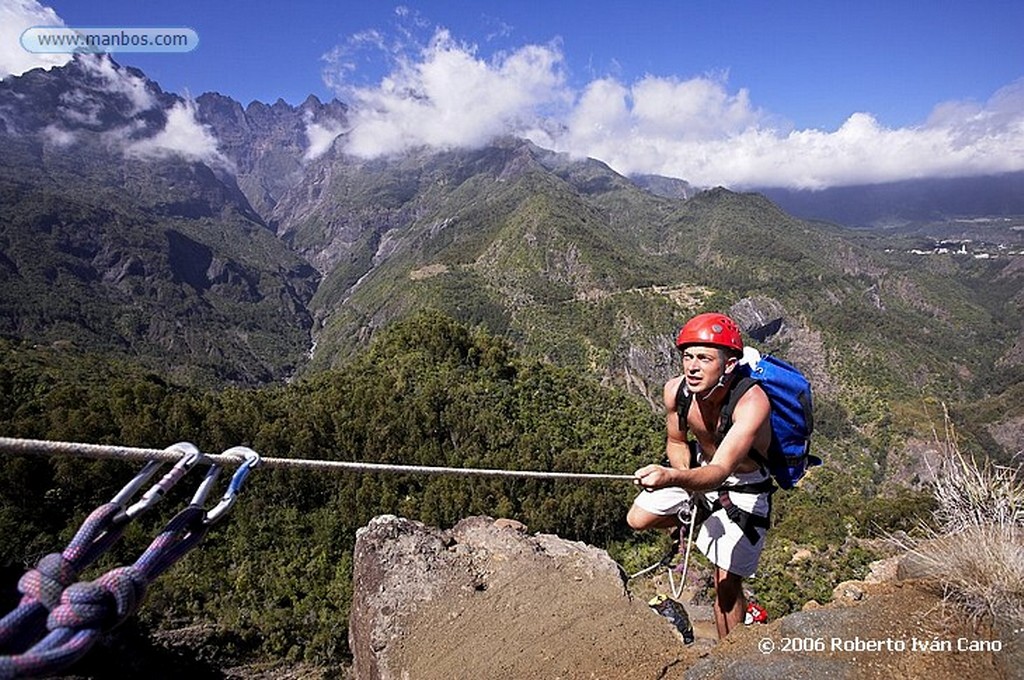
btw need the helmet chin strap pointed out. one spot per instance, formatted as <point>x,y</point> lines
<point>720,383</point>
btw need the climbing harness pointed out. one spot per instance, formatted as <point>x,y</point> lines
<point>748,522</point>
<point>79,613</point>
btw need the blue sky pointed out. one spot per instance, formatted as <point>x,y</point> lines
<point>736,93</point>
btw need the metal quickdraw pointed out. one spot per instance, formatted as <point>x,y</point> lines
<point>87,610</point>
<point>251,460</point>
<point>42,586</point>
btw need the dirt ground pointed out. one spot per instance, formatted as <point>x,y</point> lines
<point>511,631</point>
<point>894,630</point>
<point>536,625</point>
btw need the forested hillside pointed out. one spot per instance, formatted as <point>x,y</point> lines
<point>501,307</point>
<point>273,581</point>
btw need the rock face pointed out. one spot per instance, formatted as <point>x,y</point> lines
<point>485,599</point>
<point>268,144</point>
<point>760,318</point>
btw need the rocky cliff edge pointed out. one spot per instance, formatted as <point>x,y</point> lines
<point>487,600</point>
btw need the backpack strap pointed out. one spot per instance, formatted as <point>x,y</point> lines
<point>737,389</point>
<point>684,398</point>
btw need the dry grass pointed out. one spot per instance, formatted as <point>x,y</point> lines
<point>977,551</point>
<point>967,495</point>
<point>980,568</point>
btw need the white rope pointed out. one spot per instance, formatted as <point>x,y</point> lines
<point>676,592</point>
<point>12,445</point>
<point>646,570</point>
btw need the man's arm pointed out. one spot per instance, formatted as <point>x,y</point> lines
<point>751,413</point>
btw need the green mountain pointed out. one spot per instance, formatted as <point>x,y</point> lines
<point>109,245</point>
<point>585,269</point>
<point>158,256</point>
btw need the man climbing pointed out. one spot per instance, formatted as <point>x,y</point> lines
<point>731,488</point>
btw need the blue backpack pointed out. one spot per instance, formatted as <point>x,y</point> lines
<point>792,415</point>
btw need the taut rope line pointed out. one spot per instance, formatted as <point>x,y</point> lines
<point>40,447</point>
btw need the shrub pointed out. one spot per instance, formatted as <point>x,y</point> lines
<point>977,552</point>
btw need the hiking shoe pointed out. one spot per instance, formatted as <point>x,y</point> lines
<point>675,613</point>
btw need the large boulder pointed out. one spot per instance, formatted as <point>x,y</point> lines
<point>485,599</point>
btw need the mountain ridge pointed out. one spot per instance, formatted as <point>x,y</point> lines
<point>577,264</point>
<point>116,231</point>
<point>897,205</point>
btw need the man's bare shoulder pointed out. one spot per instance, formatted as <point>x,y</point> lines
<point>753,403</point>
<point>671,389</point>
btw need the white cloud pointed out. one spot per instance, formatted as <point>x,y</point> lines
<point>181,136</point>
<point>449,97</point>
<point>699,108</point>
<point>650,126</point>
<point>445,95</point>
<point>320,137</point>
<point>120,81</point>
<point>959,139</point>
<point>57,136</point>
<point>84,106</point>
<point>15,17</point>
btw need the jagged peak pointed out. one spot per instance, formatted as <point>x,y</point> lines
<point>87,96</point>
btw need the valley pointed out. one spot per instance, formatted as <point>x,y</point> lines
<point>245,281</point>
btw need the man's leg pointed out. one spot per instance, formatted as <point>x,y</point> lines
<point>657,509</point>
<point>730,602</point>
<point>640,519</point>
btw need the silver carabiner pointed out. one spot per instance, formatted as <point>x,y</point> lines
<point>190,455</point>
<point>252,459</point>
<point>132,487</point>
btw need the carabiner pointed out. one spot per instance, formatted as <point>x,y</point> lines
<point>252,459</point>
<point>190,456</point>
<point>199,498</point>
<point>130,489</point>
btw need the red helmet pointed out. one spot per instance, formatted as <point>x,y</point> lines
<point>711,328</point>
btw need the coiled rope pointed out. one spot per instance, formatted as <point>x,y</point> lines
<point>12,445</point>
<point>77,614</point>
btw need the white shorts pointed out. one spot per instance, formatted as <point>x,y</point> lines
<point>720,539</point>
<point>724,543</point>
<point>664,502</point>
